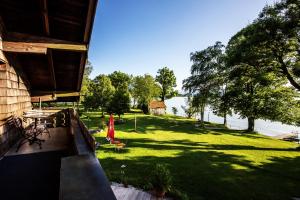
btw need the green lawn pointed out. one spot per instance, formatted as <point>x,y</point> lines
<point>205,164</point>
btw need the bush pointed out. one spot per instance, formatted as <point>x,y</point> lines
<point>174,110</point>
<point>161,179</point>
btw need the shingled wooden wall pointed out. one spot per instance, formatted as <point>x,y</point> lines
<point>14,99</point>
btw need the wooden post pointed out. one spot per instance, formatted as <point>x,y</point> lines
<point>134,122</point>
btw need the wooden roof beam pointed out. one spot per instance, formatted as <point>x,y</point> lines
<point>45,16</point>
<point>21,47</point>
<point>81,70</point>
<point>47,32</point>
<point>23,37</point>
<point>41,48</point>
<point>89,20</point>
<point>51,68</point>
<point>56,93</point>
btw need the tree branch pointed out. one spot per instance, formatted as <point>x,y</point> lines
<point>287,74</point>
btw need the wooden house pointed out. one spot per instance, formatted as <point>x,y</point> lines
<point>157,107</point>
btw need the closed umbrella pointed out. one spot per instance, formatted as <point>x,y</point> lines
<point>111,129</point>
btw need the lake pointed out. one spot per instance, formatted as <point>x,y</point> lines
<point>265,127</point>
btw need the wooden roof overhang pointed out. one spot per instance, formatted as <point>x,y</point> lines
<point>47,41</point>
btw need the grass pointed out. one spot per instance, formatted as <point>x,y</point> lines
<point>204,163</point>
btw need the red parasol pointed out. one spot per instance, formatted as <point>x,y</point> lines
<point>111,129</point>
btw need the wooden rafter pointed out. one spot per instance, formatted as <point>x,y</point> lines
<point>23,37</point>
<point>43,98</point>
<point>55,94</point>
<point>21,47</point>
<point>81,70</point>
<point>51,68</point>
<point>87,33</point>
<point>3,30</point>
<point>89,20</point>
<point>30,47</point>
<point>47,32</point>
<point>45,16</point>
<point>64,20</point>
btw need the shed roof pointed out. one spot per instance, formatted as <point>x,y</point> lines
<point>47,41</point>
<point>157,104</point>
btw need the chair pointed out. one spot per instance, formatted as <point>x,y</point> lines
<point>28,134</point>
<point>42,126</point>
<point>119,145</point>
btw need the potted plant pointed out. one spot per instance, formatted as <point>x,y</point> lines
<point>161,180</point>
<point>123,176</point>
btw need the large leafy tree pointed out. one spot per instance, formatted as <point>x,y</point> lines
<point>120,102</point>
<point>276,35</point>
<point>101,94</point>
<point>167,80</point>
<point>205,80</point>
<point>120,79</point>
<point>144,89</point>
<point>257,91</point>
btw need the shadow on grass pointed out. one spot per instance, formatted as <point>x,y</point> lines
<point>181,145</point>
<point>149,123</point>
<point>212,174</point>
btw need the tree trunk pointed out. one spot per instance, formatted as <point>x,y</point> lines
<point>163,97</point>
<point>250,124</point>
<point>225,119</point>
<point>202,116</point>
<point>163,94</point>
<point>102,112</point>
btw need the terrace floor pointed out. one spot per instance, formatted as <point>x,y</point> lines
<point>59,140</point>
<point>33,173</point>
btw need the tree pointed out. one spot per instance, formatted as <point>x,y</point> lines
<point>276,34</point>
<point>205,76</point>
<point>167,81</point>
<point>174,110</point>
<point>189,110</point>
<point>86,80</point>
<point>220,103</point>
<point>119,79</point>
<point>102,92</point>
<point>120,102</point>
<point>144,89</point>
<point>257,91</point>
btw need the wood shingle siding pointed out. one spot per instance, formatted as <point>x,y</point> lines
<point>14,100</point>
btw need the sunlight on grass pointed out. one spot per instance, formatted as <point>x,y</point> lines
<point>204,163</point>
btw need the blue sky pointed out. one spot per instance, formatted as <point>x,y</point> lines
<point>141,36</point>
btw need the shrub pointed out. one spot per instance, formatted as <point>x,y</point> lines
<point>161,179</point>
<point>174,110</point>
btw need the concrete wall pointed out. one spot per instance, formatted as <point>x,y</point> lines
<point>14,99</point>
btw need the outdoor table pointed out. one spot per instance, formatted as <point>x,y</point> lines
<point>36,116</point>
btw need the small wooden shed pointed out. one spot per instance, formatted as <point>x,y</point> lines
<point>157,107</point>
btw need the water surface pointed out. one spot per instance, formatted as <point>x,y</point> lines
<point>265,127</point>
